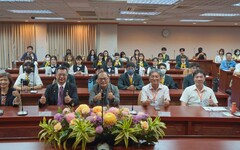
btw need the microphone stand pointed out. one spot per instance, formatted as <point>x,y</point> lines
<point>133,112</point>
<point>32,90</point>
<point>21,111</point>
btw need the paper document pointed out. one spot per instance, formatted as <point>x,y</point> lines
<point>164,114</point>
<point>215,108</point>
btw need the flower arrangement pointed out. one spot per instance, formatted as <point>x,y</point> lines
<point>85,125</point>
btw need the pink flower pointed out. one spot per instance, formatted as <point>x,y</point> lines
<point>114,110</point>
<point>70,116</point>
<point>99,129</point>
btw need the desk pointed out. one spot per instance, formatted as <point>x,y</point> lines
<point>126,97</point>
<point>16,70</point>
<point>185,121</point>
<point>163,144</point>
<point>225,78</point>
<point>236,90</point>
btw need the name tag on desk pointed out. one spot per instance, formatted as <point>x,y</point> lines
<point>45,113</point>
<point>164,114</point>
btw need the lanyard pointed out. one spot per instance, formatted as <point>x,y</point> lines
<point>199,94</point>
<point>154,94</point>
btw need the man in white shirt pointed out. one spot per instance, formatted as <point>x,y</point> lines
<point>198,94</point>
<point>155,93</point>
<point>237,70</point>
<point>28,80</point>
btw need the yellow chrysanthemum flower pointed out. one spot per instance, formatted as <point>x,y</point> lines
<point>85,110</point>
<point>144,125</point>
<point>109,119</point>
<point>81,107</point>
<point>73,122</point>
<point>57,127</point>
<point>97,109</point>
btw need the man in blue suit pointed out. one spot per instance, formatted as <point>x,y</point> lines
<point>61,92</point>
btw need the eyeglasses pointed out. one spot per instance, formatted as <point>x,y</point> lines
<point>103,79</point>
<point>62,74</point>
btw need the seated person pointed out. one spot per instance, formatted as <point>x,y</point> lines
<point>46,62</point>
<point>117,62</point>
<point>237,70</point>
<point>68,52</point>
<point>53,66</point>
<point>109,68</point>
<point>9,96</point>
<point>28,59</point>
<point>200,55</point>
<point>70,59</point>
<point>92,56</point>
<point>123,57</point>
<point>166,79</point>
<point>94,78</point>
<point>183,64</point>
<point>236,55</point>
<point>165,56</point>
<point>29,53</point>
<point>228,64</point>
<point>79,67</point>
<point>28,80</point>
<point>142,63</point>
<point>161,60</point>
<point>130,80</point>
<point>70,77</point>
<point>105,55</point>
<point>99,61</point>
<point>133,59</point>
<point>155,93</point>
<point>105,91</point>
<point>188,80</point>
<point>220,57</point>
<point>198,94</point>
<point>154,65</point>
<point>61,92</point>
<point>178,58</point>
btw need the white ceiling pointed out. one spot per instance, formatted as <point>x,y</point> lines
<point>105,11</point>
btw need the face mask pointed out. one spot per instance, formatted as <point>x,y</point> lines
<point>130,72</point>
<point>47,59</point>
<point>237,53</point>
<point>28,70</point>
<point>163,71</point>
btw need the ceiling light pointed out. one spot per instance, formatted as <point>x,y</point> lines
<point>31,11</point>
<point>153,2</point>
<point>139,13</point>
<point>49,18</point>
<point>130,19</point>
<point>220,14</point>
<point>16,0</point>
<point>189,20</point>
<point>237,4</point>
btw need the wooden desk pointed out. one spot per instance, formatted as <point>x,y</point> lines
<point>126,97</point>
<point>236,90</point>
<point>162,144</point>
<point>183,122</point>
<point>16,70</point>
<point>225,78</point>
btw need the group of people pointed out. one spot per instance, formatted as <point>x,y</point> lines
<point>63,90</point>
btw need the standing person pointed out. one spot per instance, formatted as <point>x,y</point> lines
<point>28,80</point>
<point>9,96</point>
<point>130,80</point>
<point>198,94</point>
<point>200,55</point>
<point>29,53</point>
<point>105,91</point>
<point>155,93</point>
<point>165,56</point>
<point>61,92</point>
<point>228,64</point>
<point>220,57</point>
<point>182,51</point>
<point>92,56</point>
<point>79,67</point>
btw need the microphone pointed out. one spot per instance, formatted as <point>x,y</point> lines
<point>21,112</point>
<point>32,90</point>
<point>133,112</point>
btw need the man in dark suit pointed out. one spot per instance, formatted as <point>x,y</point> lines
<point>61,92</point>
<point>166,79</point>
<point>130,80</point>
<point>105,91</point>
<point>188,80</point>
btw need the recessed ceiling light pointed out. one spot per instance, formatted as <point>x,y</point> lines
<point>189,20</point>
<point>156,2</point>
<point>16,0</point>
<point>49,18</point>
<point>237,4</point>
<point>130,19</point>
<point>31,11</point>
<point>220,14</point>
<point>139,13</point>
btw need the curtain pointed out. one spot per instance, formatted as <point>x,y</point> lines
<point>79,38</point>
<point>14,39</point>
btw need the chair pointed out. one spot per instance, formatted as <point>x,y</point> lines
<point>139,98</point>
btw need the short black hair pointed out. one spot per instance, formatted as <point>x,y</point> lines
<point>79,57</point>
<point>62,68</point>
<point>116,54</point>
<point>154,58</point>
<point>47,55</point>
<point>65,64</point>
<point>130,64</point>
<point>55,57</point>
<point>228,53</point>
<point>164,49</point>
<point>30,64</point>
<point>162,64</point>
<point>194,64</point>
<point>30,47</point>
<point>182,49</point>
<point>235,51</point>
<point>199,71</point>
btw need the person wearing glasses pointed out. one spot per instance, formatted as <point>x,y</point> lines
<point>104,93</point>
<point>61,92</point>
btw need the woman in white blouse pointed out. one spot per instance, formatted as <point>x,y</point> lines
<point>220,57</point>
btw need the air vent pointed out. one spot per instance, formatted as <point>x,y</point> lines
<point>86,13</point>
